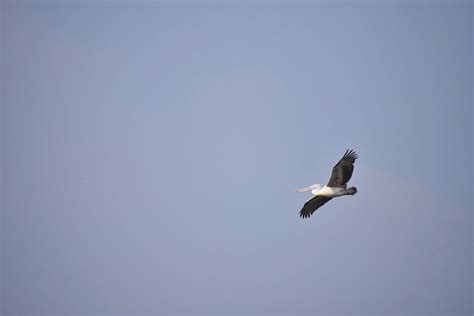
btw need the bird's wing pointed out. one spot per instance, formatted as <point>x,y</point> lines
<point>342,171</point>
<point>312,205</point>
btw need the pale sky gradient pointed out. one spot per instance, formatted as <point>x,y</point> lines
<point>150,153</point>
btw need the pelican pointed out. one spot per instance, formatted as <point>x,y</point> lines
<point>337,185</point>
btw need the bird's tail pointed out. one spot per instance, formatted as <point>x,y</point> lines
<point>352,190</point>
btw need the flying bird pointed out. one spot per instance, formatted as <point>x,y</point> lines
<point>337,185</point>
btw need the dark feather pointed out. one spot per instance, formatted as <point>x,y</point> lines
<point>312,205</point>
<point>342,171</point>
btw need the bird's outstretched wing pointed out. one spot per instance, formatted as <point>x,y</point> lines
<point>342,171</point>
<point>312,205</point>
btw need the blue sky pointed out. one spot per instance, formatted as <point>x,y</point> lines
<point>150,153</point>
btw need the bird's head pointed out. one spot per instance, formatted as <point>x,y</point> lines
<point>313,188</point>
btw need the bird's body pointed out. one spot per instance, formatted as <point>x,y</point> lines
<point>331,192</point>
<point>337,185</point>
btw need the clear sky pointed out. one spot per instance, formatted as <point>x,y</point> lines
<point>150,153</point>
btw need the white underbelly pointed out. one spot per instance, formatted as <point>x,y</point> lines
<point>331,191</point>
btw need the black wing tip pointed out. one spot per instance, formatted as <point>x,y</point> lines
<point>304,214</point>
<point>351,154</point>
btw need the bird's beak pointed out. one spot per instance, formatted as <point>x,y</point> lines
<point>305,189</point>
